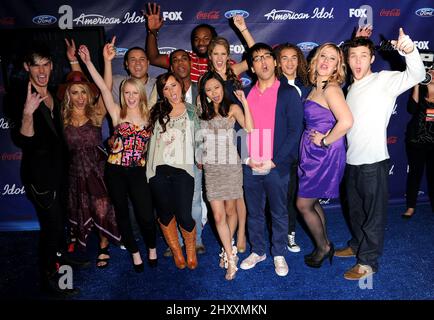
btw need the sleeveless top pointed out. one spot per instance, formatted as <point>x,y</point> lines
<point>130,145</point>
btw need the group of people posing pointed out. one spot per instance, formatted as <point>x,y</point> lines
<point>289,140</point>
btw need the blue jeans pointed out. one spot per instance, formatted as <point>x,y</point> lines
<point>367,191</point>
<point>257,188</point>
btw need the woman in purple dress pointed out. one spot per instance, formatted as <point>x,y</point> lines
<point>88,201</point>
<point>322,149</point>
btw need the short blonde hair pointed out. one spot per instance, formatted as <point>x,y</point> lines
<point>338,75</point>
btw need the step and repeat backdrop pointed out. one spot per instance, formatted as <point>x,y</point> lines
<point>304,23</point>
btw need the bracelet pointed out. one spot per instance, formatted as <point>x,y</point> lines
<point>243,30</point>
<point>154,33</point>
<point>324,143</point>
<point>73,62</point>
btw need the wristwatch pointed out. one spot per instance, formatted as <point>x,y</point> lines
<point>324,143</point>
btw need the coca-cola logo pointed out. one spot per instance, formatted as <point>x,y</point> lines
<point>392,140</point>
<point>211,15</point>
<point>5,156</point>
<point>390,12</point>
<point>7,21</point>
<point>10,190</point>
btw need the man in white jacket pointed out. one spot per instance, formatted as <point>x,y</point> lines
<point>371,99</point>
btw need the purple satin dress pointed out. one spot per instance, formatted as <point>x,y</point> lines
<point>320,170</point>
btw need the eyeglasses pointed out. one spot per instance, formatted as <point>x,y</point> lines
<point>265,56</point>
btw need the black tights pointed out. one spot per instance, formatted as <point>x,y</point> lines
<point>313,215</point>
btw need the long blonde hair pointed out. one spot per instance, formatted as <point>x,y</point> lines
<point>341,69</point>
<point>143,103</point>
<point>91,109</point>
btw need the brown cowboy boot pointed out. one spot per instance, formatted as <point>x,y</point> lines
<point>190,247</point>
<point>171,235</point>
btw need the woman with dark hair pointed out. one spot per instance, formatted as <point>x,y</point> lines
<point>420,143</point>
<point>322,148</point>
<point>88,201</point>
<point>219,62</point>
<point>222,166</point>
<point>125,171</point>
<point>170,169</point>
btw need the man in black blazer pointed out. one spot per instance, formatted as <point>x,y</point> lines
<point>39,132</point>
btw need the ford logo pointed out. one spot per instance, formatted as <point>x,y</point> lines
<point>245,82</point>
<point>44,20</point>
<point>166,50</point>
<point>120,52</point>
<point>229,14</point>
<point>425,12</point>
<point>307,46</point>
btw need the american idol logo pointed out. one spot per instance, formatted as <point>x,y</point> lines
<point>44,20</point>
<point>425,12</point>
<point>120,52</point>
<point>307,46</point>
<point>166,50</point>
<point>245,82</point>
<point>229,14</point>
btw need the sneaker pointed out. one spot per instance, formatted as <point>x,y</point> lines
<point>359,271</point>
<point>292,246</point>
<point>251,261</point>
<point>168,252</point>
<point>200,249</point>
<point>280,266</point>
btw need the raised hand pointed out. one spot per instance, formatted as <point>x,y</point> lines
<point>71,50</point>
<point>239,22</point>
<point>153,17</point>
<point>364,31</point>
<point>240,96</point>
<point>109,50</point>
<point>84,54</point>
<point>32,101</point>
<point>404,43</point>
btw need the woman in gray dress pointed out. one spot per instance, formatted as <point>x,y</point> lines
<point>221,163</point>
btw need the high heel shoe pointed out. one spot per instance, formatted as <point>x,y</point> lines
<point>139,268</point>
<point>231,263</point>
<point>241,244</point>
<point>315,262</point>
<point>310,255</point>
<point>153,262</point>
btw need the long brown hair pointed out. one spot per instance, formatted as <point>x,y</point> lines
<point>301,62</point>
<point>143,104</point>
<point>230,75</point>
<point>160,112</point>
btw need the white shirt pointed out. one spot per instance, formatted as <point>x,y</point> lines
<point>292,83</point>
<point>189,96</point>
<point>371,101</point>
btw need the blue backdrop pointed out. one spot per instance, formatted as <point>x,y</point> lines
<point>306,23</point>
